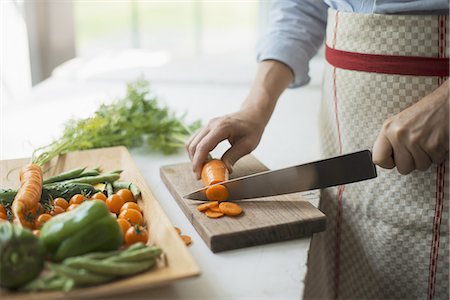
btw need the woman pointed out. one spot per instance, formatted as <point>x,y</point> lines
<point>385,88</point>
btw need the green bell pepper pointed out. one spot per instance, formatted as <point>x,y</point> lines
<point>88,228</point>
<point>21,255</point>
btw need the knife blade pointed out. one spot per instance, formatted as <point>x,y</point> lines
<point>343,169</point>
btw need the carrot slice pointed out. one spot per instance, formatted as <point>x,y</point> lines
<point>186,239</point>
<point>215,208</point>
<point>203,207</point>
<point>213,214</point>
<point>217,192</point>
<point>230,208</point>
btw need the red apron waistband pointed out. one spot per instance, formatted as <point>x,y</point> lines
<point>388,64</point>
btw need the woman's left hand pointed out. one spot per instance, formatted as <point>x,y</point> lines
<point>417,136</point>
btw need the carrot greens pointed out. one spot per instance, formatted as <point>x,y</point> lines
<point>131,121</point>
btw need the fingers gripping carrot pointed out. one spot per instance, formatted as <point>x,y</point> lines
<point>214,171</point>
<point>29,193</point>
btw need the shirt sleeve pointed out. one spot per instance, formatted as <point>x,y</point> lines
<point>295,33</point>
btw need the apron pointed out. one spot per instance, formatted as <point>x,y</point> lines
<point>387,237</point>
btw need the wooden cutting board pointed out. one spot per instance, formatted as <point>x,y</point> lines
<point>264,220</point>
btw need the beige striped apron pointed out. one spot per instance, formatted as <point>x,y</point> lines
<point>389,237</point>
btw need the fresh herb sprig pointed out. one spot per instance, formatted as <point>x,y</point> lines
<point>131,121</point>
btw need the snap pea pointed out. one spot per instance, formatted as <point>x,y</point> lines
<point>142,254</point>
<point>110,268</point>
<point>80,276</point>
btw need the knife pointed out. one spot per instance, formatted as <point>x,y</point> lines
<point>343,169</point>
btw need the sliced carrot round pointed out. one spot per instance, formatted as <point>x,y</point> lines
<point>217,193</point>
<point>204,206</point>
<point>230,208</point>
<point>186,239</point>
<point>215,207</point>
<point>213,214</point>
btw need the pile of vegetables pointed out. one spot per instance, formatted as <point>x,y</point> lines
<point>85,227</point>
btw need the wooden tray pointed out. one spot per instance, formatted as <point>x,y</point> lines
<point>265,220</point>
<point>179,262</point>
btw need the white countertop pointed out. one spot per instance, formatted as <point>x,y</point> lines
<point>273,271</point>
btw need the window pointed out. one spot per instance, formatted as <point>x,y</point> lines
<point>180,28</point>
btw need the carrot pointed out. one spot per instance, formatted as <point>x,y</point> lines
<point>186,239</point>
<point>214,171</point>
<point>215,207</point>
<point>230,208</point>
<point>28,195</point>
<point>205,206</point>
<point>213,214</point>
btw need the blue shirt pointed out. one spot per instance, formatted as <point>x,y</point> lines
<point>297,27</point>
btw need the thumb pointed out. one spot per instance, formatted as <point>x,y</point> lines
<point>382,153</point>
<point>233,154</point>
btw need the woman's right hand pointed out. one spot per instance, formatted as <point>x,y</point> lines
<point>243,130</point>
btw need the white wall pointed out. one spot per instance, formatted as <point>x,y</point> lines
<point>15,76</point>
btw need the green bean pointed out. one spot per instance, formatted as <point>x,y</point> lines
<point>91,172</point>
<point>49,284</point>
<point>109,189</point>
<point>144,254</point>
<point>118,171</point>
<point>99,255</point>
<point>127,185</point>
<point>81,276</point>
<point>110,268</point>
<point>109,177</point>
<point>106,254</point>
<point>135,246</point>
<point>74,173</point>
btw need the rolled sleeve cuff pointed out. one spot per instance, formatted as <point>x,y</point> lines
<point>294,57</point>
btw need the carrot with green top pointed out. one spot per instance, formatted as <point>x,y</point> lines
<point>213,172</point>
<point>28,195</point>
